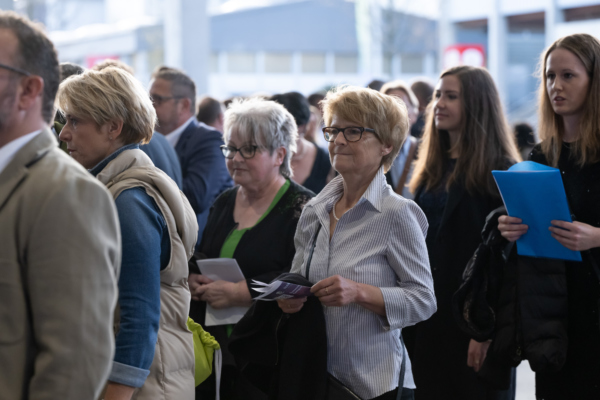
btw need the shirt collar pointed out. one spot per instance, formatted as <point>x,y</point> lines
<point>334,189</point>
<point>173,137</point>
<point>9,150</point>
<point>102,164</point>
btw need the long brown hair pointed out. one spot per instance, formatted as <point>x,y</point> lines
<point>485,143</point>
<point>586,149</point>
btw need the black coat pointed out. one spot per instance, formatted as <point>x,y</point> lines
<point>518,302</point>
<point>437,347</point>
<point>285,355</point>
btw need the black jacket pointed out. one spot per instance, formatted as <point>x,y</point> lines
<point>519,302</point>
<point>263,253</point>
<point>284,355</point>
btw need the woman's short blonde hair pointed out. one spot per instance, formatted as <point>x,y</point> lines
<point>111,94</point>
<point>266,123</point>
<point>387,115</point>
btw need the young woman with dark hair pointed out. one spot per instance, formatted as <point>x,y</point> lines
<point>466,137</point>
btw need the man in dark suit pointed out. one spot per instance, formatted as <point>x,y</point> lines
<point>164,157</point>
<point>197,145</point>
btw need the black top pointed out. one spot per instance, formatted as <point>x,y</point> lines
<point>317,179</point>
<point>437,347</point>
<point>263,253</point>
<point>580,375</point>
<point>433,204</point>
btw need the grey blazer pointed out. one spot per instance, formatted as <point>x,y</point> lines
<point>60,251</point>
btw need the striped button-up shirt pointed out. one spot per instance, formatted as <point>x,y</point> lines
<point>381,242</point>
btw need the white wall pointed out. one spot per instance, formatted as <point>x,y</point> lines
<point>591,27</point>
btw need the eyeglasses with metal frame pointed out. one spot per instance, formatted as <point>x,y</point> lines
<point>156,99</point>
<point>15,69</point>
<point>247,151</point>
<point>351,133</point>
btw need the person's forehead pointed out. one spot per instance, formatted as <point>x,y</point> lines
<point>8,46</point>
<point>161,86</point>
<point>563,58</point>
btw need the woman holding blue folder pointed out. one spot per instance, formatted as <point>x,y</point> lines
<point>466,137</point>
<point>569,124</point>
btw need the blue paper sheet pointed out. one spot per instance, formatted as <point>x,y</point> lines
<point>535,193</point>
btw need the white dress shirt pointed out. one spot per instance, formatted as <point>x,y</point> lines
<point>380,242</point>
<point>9,150</point>
<point>174,136</point>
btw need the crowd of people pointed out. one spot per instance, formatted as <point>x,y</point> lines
<point>374,197</point>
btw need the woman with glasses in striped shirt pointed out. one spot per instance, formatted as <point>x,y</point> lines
<point>369,262</point>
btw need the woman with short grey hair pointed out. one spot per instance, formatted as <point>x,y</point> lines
<point>254,222</point>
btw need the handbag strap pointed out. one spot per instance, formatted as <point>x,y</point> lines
<point>312,250</point>
<point>402,369</point>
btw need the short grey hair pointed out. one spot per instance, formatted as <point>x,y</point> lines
<point>266,123</point>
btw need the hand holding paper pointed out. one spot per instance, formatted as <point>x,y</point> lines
<point>576,236</point>
<point>535,194</point>
<point>225,272</point>
<point>511,228</point>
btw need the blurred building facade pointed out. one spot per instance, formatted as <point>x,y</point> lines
<point>513,34</point>
<point>283,45</point>
<point>239,47</point>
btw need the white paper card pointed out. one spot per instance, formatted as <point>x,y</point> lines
<point>222,269</point>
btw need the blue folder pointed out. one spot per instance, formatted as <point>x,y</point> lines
<point>536,194</point>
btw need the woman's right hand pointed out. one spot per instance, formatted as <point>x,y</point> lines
<point>291,306</point>
<point>511,228</point>
<point>195,281</point>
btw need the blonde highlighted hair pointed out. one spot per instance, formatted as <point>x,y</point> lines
<point>111,94</point>
<point>485,142</point>
<point>387,115</point>
<point>586,149</point>
<point>401,85</point>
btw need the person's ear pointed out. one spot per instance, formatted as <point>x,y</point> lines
<point>281,152</point>
<point>184,104</point>
<point>114,128</point>
<point>32,87</point>
<point>386,149</point>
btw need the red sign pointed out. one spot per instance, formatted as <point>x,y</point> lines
<point>464,54</point>
<point>93,60</point>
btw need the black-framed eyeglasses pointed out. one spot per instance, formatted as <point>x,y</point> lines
<point>15,69</point>
<point>158,100</point>
<point>247,151</point>
<point>351,133</point>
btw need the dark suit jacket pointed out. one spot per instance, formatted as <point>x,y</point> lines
<point>164,157</point>
<point>203,169</point>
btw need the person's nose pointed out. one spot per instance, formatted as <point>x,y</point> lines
<point>65,134</point>
<point>557,85</point>
<point>237,157</point>
<point>340,139</point>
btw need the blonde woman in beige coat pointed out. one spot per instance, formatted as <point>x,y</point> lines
<point>108,115</point>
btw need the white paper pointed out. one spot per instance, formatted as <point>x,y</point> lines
<point>222,269</point>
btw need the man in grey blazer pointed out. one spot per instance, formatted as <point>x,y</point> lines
<point>59,238</point>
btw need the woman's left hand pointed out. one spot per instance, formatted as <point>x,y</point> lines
<point>336,291</point>
<point>575,236</point>
<point>220,294</point>
<point>476,354</point>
